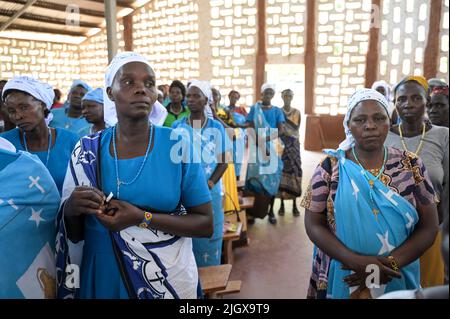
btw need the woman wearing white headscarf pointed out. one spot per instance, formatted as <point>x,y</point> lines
<point>368,205</point>
<point>27,102</point>
<point>268,122</point>
<point>133,202</point>
<point>210,140</point>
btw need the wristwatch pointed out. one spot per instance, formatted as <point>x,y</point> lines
<point>147,220</point>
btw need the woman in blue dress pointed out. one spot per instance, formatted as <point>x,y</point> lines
<point>132,202</point>
<point>264,174</point>
<point>70,116</point>
<point>209,139</point>
<point>27,102</point>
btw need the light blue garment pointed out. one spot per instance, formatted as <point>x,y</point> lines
<point>208,251</point>
<point>79,126</point>
<point>264,172</point>
<point>359,230</point>
<point>273,116</point>
<point>94,95</point>
<point>59,153</point>
<point>29,201</point>
<point>161,186</point>
<point>239,144</point>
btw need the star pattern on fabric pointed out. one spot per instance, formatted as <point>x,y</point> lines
<point>386,247</point>
<point>410,221</point>
<point>355,189</point>
<point>208,170</point>
<point>36,216</point>
<point>389,196</point>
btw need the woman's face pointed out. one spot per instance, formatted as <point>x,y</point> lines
<point>92,111</point>
<point>267,96</point>
<point>216,96</point>
<point>234,98</point>
<point>196,100</point>
<point>24,111</point>
<point>410,101</point>
<point>437,110</point>
<point>75,96</point>
<point>133,90</point>
<point>369,124</point>
<point>287,97</point>
<point>175,94</point>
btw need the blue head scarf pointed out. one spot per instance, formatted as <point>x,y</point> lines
<point>94,95</point>
<point>83,84</point>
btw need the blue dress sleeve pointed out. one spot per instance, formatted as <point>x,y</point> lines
<point>194,188</point>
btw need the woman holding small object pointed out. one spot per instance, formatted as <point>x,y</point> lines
<point>136,245</point>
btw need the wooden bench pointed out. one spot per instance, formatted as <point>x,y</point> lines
<point>214,278</point>
<point>233,287</point>
<point>228,239</point>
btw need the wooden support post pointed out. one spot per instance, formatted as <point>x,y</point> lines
<point>261,54</point>
<point>372,56</point>
<point>128,32</point>
<point>111,28</point>
<point>431,55</point>
<point>310,56</point>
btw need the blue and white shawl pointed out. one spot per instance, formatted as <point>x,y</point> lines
<point>29,201</point>
<point>153,264</point>
<point>359,230</point>
<point>264,172</point>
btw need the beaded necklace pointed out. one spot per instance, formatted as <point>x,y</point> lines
<point>49,144</point>
<point>371,180</point>
<point>416,153</point>
<point>119,182</point>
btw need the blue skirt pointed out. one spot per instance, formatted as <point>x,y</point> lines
<point>208,251</point>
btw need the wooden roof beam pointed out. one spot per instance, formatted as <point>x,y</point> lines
<point>119,3</point>
<point>63,8</point>
<point>17,15</point>
<point>40,18</point>
<point>46,30</point>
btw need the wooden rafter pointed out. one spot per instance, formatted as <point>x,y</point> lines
<point>63,8</point>
<point>119,3</point>
<point>11,20</point>
<point>46,30</point>
<point>46,19</point>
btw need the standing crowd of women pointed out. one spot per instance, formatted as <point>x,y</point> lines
<point>127,182</point>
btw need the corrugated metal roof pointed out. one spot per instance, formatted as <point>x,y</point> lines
<point>63,17</point>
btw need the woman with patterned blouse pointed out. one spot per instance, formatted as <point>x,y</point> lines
<point>370,210</point>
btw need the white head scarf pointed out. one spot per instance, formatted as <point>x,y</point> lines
<point>157,115</point>
<point>6,145</point>
<point>386,86</point>
<point>205,87</point>
<point>354,100</point>
<point>266,86</point>
<point>39,90</point>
